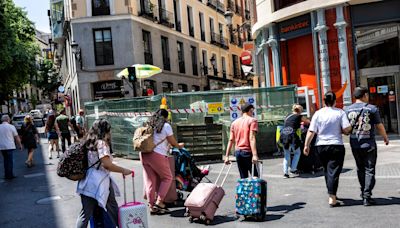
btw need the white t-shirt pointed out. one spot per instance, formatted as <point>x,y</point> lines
<point>102,150</point>
<point>7,134</point>
<point>328,123</point>
<point>163,148</point>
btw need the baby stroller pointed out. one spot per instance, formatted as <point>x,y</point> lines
<point>188,175</point>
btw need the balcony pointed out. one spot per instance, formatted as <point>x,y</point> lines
<point>231,6</point>
<point>224,74</point>
<point>247,15</point>
<point>191,31</point>
<point>203,36</point>
<point>205,70</point>
<point>219,40</point>
<point>182,67</point>
<point>178,26</point>
<point>217,5</point>
<point>238,10</point>
<point>165,17</point>
<point>147,11</point>
<point>148,58</point>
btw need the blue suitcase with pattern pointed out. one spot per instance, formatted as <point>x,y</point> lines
<point>251,197</point>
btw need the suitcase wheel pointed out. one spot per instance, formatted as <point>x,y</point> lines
<point>191,219</point>
<point>203,217</point>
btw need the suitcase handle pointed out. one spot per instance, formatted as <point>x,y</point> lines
<point>256,166</point>
<point>133,187</point>
<point>226,175</point>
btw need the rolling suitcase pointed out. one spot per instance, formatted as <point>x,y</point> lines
<point>205,198</point>
<point>132,214</point>
<point>251,196</point>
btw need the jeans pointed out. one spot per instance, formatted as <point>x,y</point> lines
<point>332,158</point>
<point>65,136</point>
<point>245,164</point>
<point>366,161</point>
<point>89,205</point>
<point>286,160</point>
<point>8,163</point>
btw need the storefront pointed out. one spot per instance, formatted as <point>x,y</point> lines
<point>107,89</point>
<point>378,56</point>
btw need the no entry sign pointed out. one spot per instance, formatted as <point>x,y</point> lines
<point>246,58</point>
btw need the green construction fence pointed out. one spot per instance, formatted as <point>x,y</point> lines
<point>200,119</point>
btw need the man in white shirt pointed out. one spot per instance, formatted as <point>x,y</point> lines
<point>8,138</point>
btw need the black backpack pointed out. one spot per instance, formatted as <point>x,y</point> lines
<point>74,162</point>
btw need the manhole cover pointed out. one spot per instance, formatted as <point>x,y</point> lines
<point>34,175</point>
<point>43,188</point>
<point>51,199</point>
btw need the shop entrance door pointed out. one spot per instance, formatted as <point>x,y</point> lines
<point>382,93</point>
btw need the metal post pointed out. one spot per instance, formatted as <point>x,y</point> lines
<point>316,62</point>
<point>273,43</point>
<point>323,50</point>
<point>266,60</point>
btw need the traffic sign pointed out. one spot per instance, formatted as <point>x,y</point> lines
<point>246,58</point>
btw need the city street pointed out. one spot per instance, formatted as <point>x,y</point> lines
<point>294,202</point>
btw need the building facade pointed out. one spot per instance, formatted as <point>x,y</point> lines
<point>331,45</point>
<point>188,40</point>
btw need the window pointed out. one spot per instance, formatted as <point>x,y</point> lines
<point>193,53</point>
<point>100,7</point>
<point>182,88</point>
<point>236,66</point>
<point>223,63</point>
<point>202,30</point>
<point>150,84</point>
<point>167,87</point>
<point>279,4</point>
<point>214,64</point>
<point>165,53</point>
<point>195,88</point>
<point>103,49</point>
<point>177,16</point>
<point>181,57</point>
<point>205,62</point>
<point>211,25</point>
<point>148,54</point>
<point>190,20</point>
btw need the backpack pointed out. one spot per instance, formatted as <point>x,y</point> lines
<point>143,139</point>
<point>73,122</point>
<point>74,162</point>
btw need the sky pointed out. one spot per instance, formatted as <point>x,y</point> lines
<point>37,12</point>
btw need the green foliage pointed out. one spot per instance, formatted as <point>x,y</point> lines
<point>18,49</point>
<point>48,79</point>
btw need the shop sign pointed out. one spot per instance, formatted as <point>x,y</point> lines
<point>236,101</point>
<point>295,27</point>
<point>107,89</point>
<point>372,90</point>
<point>215,108</point>
<point>383,89</point>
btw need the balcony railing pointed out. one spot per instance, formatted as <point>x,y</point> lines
<point>148,58</point>
<point>166,64</point>
<point>236,71</point>
<point>217,5</point>
<point>191,31</point>
<point>182,67</point>
<point>203,36</point>
<point>231,6</point>
<point>178,26</point>
<point>247,15</point>
<point>238,10</point>
<point>147,11</point>
<point>224,74</point>
<point>205,70</point>
<point>219,40</point>
<point>165,17</point>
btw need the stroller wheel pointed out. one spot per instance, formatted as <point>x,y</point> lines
<point>191,219</point>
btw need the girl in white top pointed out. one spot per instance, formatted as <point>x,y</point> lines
<point>329,123</point>
<point>98,188</point>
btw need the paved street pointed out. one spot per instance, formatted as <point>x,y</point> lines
<point>295,202</point>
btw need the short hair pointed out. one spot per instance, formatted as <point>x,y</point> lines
<point>329,98</point>
<point>163,112</point>
<point>359,92</point>
<point>5,118</point>
<point>297,108</point>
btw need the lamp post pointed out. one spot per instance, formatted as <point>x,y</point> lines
<point>76,50</point>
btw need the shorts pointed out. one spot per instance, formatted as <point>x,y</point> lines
<point>52,135</point>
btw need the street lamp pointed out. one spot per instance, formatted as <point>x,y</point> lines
<point>76,50</point>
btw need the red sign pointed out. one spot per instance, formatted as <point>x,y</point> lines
<point>246,58</point>
<point>372,90</point>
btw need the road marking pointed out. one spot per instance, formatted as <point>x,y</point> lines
<point>34,175</point>
<point>287,194</point>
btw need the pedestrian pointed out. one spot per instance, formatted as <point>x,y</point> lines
<point>329,123</point>
<point>80,124</point>
<point>243,135</point>
<point>30,138</point>
<point>9,137</point>
<point>62,122</point>
<point>291,139</point>
<point>98,187</point>
<point>156,167</point>
<point>364,118</point>
<point>51,130</point>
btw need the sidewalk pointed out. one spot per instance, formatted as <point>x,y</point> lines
<point>294,202</point>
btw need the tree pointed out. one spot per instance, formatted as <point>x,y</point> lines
<point>47,78</point>
<point>18,49</point>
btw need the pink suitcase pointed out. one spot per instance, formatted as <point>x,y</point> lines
<point>204,200</point>
<point>132,214</point>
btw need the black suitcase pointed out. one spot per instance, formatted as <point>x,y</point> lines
<point>311,163</point>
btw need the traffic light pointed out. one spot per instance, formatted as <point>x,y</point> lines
<point>131,74</point>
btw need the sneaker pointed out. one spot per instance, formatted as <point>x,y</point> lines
<point>286,176</point>
<point>295,173</point>
<point>369,202</point>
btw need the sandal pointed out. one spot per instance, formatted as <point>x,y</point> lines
<point>153,211</point>
<point>161,210</point>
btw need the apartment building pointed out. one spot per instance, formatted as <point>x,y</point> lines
<point>187,39</point>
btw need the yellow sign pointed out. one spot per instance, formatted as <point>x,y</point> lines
<point>215,108</point>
